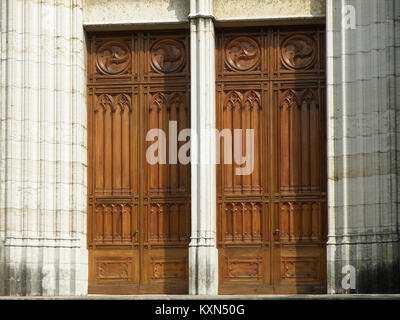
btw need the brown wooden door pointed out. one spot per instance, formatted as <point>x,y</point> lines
<point>138,214</point>
<point>272,224</point>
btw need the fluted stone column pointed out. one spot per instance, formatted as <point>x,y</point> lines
<point>43,149</point>
<point>363,145</point>
<point>203,255</point>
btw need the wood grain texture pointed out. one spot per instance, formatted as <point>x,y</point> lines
<point>139,214</point>
<point>272,224</point>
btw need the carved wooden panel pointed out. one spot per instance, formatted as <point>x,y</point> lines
<point>113,57</point>
<point>168,269</point>
<point>167,55</point>
<point>242,53</point>
<point>137,81</point>
<point>165,110</point>
<point>112,150</point>
<point>242,111</point>
<point>168,222</point>
<point>243,268</point>
<point>242,222</point>
<point>115,222</point>
<point>271,223</point>
<point>303,269</point>
<point>298,51</point>
<point>300,221</point>
<point>300,140</point>
<point>113,269</point>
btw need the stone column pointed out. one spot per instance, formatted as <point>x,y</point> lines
<point>363,145</point>
<point>203,254</point>
<point>43,148</point>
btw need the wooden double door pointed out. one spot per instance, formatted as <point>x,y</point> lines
<point>271,223</point>
<point>138,213</point>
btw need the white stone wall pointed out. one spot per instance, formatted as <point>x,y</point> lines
<point>106,14</point>
<point>364,144</point>
<point>43,148</point>
<point>134,12</point>
<point>268,9</point>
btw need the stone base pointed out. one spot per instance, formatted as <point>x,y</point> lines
<point>376,266</point>
<point>203,270</point>
<point>44,270</point>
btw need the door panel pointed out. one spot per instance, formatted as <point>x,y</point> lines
<point>272,223</point>
<point>138,213</point>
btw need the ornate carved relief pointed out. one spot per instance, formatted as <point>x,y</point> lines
<point>300,141</point>
<point>112,120</point>
<point>169,222</point>
<point>167,56</point>
<point>289,99</point>
<point>298,52</point>
<point>113,269</point>
<point>242,54</point>
<point>168,268</point>
<point>300,268</point>
<point>243,268</point>
<point>164,108</point>
<point>242,222</point>
<point>242,110</point>
<point>113,223</point>
<point>113,58</point>
<point>300,221</point>
<point>120,102</point>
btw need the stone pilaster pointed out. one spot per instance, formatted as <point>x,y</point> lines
<point>203,254</point>
<point>363,144</point>
<point>43,149</point>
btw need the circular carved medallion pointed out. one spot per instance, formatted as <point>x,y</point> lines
<point>242,53</point>
<point>113,58</point>
<point>167,55</point>
<point>298,51</point>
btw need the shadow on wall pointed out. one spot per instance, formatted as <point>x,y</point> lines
<point>372,278</point>
<point>382,277</point>
<point>181,8</point>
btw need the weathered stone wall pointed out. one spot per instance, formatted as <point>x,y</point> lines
<point>43,148</point>
<point>134,12</point>
<point>268,9</point>
<point>364,144</point>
